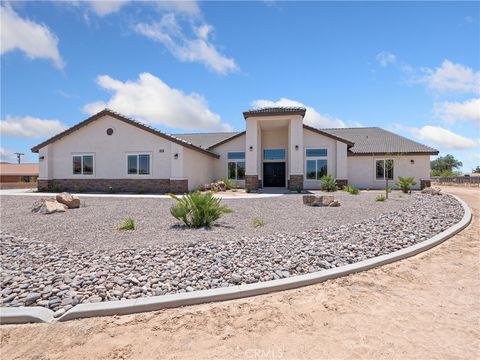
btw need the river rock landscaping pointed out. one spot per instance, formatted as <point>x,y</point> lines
<point>43,271</point>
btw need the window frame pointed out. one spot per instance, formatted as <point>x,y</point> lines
<point>236,161</point>
<point>274,160</point>
<point>138,154</point>
<point>81,156</point>
<point>316,159</point>
<point>375,169</point>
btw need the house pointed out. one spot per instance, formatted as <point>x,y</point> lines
<point>18,173</point>
<point>276,150</point>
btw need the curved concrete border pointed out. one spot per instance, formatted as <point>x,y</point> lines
<point>23,315</point>
<point>154,303</point>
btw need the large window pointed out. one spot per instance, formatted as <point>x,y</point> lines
<point>236,165</point>
<point>384,167</point>
<point>316,165</point>
<point>82,164</point>
<point>274,154</point>
<point>138,164</point>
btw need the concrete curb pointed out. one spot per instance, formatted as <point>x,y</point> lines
<point>23,315</point>
<point>154,303</point>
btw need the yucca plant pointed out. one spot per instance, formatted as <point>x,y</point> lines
<point>328,183</point>
<point>405,183</point>
<point>198,209</point>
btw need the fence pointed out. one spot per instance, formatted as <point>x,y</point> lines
<point>457,180</point>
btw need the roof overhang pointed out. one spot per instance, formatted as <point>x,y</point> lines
<point>274,111</point>
<point>318,131</point>
<point>412,153</point>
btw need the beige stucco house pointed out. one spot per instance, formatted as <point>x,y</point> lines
<point>276,150</point>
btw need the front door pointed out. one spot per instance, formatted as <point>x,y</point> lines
<point>273,174</point>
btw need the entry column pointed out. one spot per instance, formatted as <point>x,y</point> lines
<point>252,152</point>
<point>295,153</point>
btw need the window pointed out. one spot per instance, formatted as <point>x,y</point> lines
<point>316,166</point>
<point>382,168</point>
<point>236,165</point>
<point>82,164</point>
<point>138,164</point>
<point>274,154</point>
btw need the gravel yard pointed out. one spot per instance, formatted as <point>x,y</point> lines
<point>60,260</point>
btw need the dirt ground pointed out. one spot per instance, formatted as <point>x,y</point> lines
<point>425,307</point>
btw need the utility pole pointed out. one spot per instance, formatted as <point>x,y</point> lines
<point>19,156</point>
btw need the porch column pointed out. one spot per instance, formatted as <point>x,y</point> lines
<point>295,153</point>
<point>251,154</point>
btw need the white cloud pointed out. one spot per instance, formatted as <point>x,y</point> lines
<point>452,77</point>
<point>106,7</point>
<point>35,40</point>
<point>451,112</point>
<point>7,155</point>
<point>443,138</point>
<point>196,48</point>
<point>385,58</point>
<point>30,127</point>
<point>190,8</point>
<point>151,100</point>
<point>312,116</point>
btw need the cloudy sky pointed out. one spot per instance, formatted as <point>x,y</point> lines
<point>413,68</point>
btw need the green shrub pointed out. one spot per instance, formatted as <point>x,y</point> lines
<point>81,189</point>
<point>198,209</point>
<point>351,189</point>
<point>298,189</point>
<point>56,189</point>
<point>328,183</point>
<point>140,190</point>
<point>380,198</point>
<point>128,224</point>
<point>230,184</point>
<point>405,183</point>
<point>257,222</point>
<point>111,190</point>
<point>247,190</point>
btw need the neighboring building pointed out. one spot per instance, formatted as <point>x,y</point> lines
<point>276,150</point>
<point>18,173</point>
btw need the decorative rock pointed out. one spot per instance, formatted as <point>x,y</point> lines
<point>71,201</point>
<point>432,191</point>
<point>334,203</point>
<point>32,297</point>
<point>59,312</point>
<point>48,206</point>
<point>318,200</point>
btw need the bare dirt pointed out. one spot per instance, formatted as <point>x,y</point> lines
<point>425,307</point>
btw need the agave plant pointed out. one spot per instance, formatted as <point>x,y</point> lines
<point>198,209</point>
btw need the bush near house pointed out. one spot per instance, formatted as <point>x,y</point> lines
<point>328,183</point>
<point>351,189</point>
<point>405,183</point>
<point>230,184</point>
<point>198,209</point>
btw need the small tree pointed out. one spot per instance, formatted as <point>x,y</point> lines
<point>444,165</point>
<point>476,170</point>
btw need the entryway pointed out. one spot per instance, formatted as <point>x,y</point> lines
<point>274,174</point>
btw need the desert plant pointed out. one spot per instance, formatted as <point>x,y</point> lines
<point>198,209</point>
<point>127,224</point>
<point>380,197</point>
<point>298,189</point>
<point>230,184</point>
<point>351,189</point>
<point>405,183</point>
<point>81,189</point>
<point>247,190</point>
<point>140,190</point>
<point>111,190</point>
<point>56,189</point>
<point>328,183</point>
<point>257,222</point>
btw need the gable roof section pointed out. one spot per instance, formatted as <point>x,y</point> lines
<point>327,134</point>
<point>207,140</point>
<point>377,141</point>
<point>128,121</point>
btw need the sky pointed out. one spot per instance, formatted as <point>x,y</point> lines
<point>408,67</point>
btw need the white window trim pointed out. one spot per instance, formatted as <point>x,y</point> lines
<point>278,160</point>
<point>375,169</point>
<point>235,161</point>
<point>137,175</point>
<point>314,158</point>
<point>82,155</point>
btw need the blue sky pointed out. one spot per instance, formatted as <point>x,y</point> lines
<point>413,68</point>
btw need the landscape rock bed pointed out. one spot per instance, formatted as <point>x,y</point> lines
<point>37,273</point>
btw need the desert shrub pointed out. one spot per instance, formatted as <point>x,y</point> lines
<point>328,183</point>
<point>230,184</point>
<point>198,209</point>
<point>380,197</point>
<point>81,189</point>
<point>405,183</point>
<point>247,190</point>
<point>111,190</point>
<point>298,189</point>
<point>140,190</point>
<point>257,222</point>
<point>351,189</point>
<point>55,189</point>
<point>127,224</point>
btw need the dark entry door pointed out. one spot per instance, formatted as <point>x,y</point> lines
<point>274,174</point>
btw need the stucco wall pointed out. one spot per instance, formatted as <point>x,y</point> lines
<point>197,168</point>
<point>110,152</point>
<point>361,170</point>
<point>220,165</point>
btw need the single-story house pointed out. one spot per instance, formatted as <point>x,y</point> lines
<point>17,173</point>
<point>276,150</point>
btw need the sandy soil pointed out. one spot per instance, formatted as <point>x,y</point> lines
<point>426,307</point>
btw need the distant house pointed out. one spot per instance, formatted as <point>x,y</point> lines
<point>276,150</point>
<point>18,173</point>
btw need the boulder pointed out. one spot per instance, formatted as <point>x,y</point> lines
<point>319,200</point>
<point>432,191</point>
<point>334,203</point>
<point>221,186</point>
<point>71,201</point>
<point>48,206</point>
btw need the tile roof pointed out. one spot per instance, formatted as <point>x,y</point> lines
<point>375,140</point>
<point>25,169</point>
<point>275,111</point>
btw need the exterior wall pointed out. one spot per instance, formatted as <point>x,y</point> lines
<point>361,170</point>
<point>295,155</point>
<point>252,141</point>
<point>197,168</point>
<point>10,178</point>
<point>220,165</point>
<point>117,185</point>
